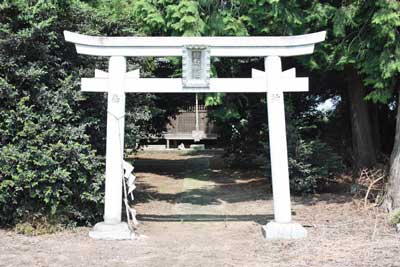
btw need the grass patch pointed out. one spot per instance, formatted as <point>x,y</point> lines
<point>394,217</point>
<point>38,225</point>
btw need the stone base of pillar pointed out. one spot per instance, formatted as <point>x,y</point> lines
<point>274,230</point>
<point>106,231</point>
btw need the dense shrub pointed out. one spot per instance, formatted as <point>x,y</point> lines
<point>52,136</point>
<point>47,164</point>
<point>244,130</point>
<point>312,161</point>
<point>46,167</point>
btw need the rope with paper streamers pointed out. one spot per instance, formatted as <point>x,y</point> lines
<point>128,182</point>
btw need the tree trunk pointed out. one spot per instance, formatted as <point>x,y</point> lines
<point>363,144</point>
<point>392,198</point>
<point>374,111</point>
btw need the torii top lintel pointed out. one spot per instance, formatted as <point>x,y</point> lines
<point>254,46</point>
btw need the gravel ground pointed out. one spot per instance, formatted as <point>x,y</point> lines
<point>210,217</point>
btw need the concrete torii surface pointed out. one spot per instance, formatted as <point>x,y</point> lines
<point>273,81</point>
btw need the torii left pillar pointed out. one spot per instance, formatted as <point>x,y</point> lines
<point>113,227</point>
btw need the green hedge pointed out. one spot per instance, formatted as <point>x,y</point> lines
<point>48,166</point>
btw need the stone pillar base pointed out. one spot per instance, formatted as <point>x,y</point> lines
<point>275,230</point>
<point>119,231</point>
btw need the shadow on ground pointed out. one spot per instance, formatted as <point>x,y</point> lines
<point>258,218</point>
<point>204,180</point>
<point>212,195</point>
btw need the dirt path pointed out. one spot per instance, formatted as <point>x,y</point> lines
<point>196,214</point>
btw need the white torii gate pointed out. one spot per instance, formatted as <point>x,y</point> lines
<point>273,81</point>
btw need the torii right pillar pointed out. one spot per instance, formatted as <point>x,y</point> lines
<point>282,227</point>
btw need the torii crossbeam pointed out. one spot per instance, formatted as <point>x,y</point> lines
<point>196,52</point>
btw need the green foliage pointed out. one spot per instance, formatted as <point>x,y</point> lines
<point>394,217</point>
<point>48,165</point>
<point>46,168</point>
<point>148,18</point>
<point>37,224</point>
<point>367,36</point>
<point>242,121</point>
<point>184,18</point>
<point>310,162</point>
<point>52,136</point>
